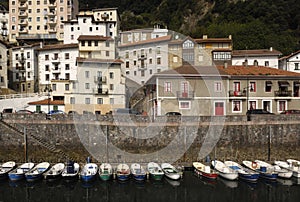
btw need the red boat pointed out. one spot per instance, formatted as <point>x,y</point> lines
<point>205,171</point>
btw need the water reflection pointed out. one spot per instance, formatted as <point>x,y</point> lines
<point>190,188</point>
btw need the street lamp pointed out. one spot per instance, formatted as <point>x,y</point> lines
<point>247,99</point>
<point>48,90</point>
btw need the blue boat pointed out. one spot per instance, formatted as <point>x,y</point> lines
<point>263,171</point>
<point>19,173</point>
<point>138,172</point>
<point>123,172</point>
<point>89,172</point>
<point>5,168</point>
<point>244,173</point>
<point>71,171</point>
<point>37,172</point>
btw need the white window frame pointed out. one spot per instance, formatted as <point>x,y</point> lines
<point>278,106</point>
<point>241,106</point>
<point>189,105</point>
<point>218,86</point>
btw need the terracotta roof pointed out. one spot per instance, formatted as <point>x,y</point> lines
<point>290,55</point>
<point>95,60</point>
<point>259,52</point>
<point>59,46</point>
<point>46,102</point>
<point>213,40</point>
<point>256,71</point>
<point>93,38</point>
<point>155,40</point>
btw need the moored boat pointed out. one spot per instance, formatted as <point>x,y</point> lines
<point>19,172</point>
<point>89,172</point>
<point>155,171</point>
<point>37,172</point>
<point>138,172</point>
<point>71,171</point>
<point>123,172</point>
<point>5,168</point>
<point>263,172</point>
<point>282,172</point>
<point>289,166</point>
<point>205,171</point>
<point>170,171</point>
<point>54,172</point>
<point>105,171</point>
<point>243,173</point>
<point>224,171</point>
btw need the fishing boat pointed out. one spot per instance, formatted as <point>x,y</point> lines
<point>123,172</point>
<point>155,171</point>
<point>263,172</point>
<point>138,172</point>
<point>5,168</point>
<point>19,172</point>
<point>224,171</point>
<point>282,172</point>
<point>294,162</point>
<point>71,171</point>
<point>294,168</point>
<point>54,172</point>
<point>205,171</point>
<point>37,172</point>
<point>244,173</point>
<point>105,171</point>
<point>89,172</point>
<point>170,171</point>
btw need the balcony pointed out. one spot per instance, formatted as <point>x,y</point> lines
<point>23,22</point>
<point>142,67</point>
<point>52,5</point>
<point>23,6</point>
<point>280,93</point>
<point>100,79</point>
<point>100,91</point>
<point>142,57</point>
<point>23,30</point>
<point>237,93</point>
<point>55,70</point>
<point>52,13</point>
<point>23,14</point>
<point>52,30</point>
<point>55,60</point>
<point>185,95</point>
<point>22,78</point>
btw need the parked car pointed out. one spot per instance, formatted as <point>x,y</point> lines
<point>24,111</point>
<point>173,114</point>
<point>258,111</point>
<point>291,111</point>
<point>53,112</point>
<point>8,110</point>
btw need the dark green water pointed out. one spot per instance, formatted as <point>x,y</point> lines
<point>190,188</point>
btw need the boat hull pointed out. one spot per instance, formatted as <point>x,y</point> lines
<point>123,177</point>
<point>88,178</point>
<point>16,176</point>
<point>105,177</point>
<point>52,177</point>
<point>249,177</point>
<point>31,178</point>
<point>138,177</point>
<point>210,176</point>
<point>156,177</point>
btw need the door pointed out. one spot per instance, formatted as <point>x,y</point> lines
<point>219,108</point>
<point>184,89</point>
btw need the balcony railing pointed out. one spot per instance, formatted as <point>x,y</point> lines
<point>100,91</point>
<point>185,95</point>
<point>100,79</point>
<point>237,93</point>
<point>55,60</point>
<point>280,93</point>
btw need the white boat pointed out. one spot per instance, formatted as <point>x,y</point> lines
<point>205,171</point>
<point>71,171</point>
<point>244,173</point>
<point>89,172</point>
<point>123,172</point>
<point>5,168</point>
<point>170,171</point>
<point>37,172</point>
<point>155,171</point>
<point>224,171</point>
<point>138,172</point>
<point>282,172</point>
<point>263,172</point>
<point>54,172</point>
<point>105,171</point>
<point>295,167</point>
<point>19,172</point>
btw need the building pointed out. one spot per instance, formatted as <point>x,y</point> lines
<point>40,20</point>
<point>223,90</point>
<point>103,22</point>
<point>4,60</point>
<point>290,62</point>
<point>4,25</point>
<point>100,87</point>
<point>260,57</point>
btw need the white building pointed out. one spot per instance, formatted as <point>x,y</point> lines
<point>290,62</point>
<point>103,22</point>
<point>261,57</point>
<point>4,19</point>
<point>3,65</point>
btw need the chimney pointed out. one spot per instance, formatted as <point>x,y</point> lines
<point>41,44</point>
<point>204,36</point>
<point>225,65</point>
<point>230,37</point>
<point>271,48</point>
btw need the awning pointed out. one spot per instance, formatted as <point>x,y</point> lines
<point>268,83</point>
<point>296,83</point>
<point>283,83</point>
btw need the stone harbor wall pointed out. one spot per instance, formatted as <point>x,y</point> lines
<point>139,139</point>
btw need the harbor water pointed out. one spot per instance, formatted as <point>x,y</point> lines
<point>189,188</point>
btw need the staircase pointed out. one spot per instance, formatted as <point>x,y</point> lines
<point>37,139</point>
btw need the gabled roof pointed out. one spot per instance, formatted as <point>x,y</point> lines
<point>213,40</point>
<point>155,40</point>
<point>94,38</point>
<point>258,52</point>
<point>289,56</point>
<point>59,46</point>
<point>95,60</point>
<point>47,101</point>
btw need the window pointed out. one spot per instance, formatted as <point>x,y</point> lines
<point>134,53</point>
<point>107,53</point>
<point>236,86</point>
<point>296,66</point>
<point>252,86</point>
<point>46,57</point>
<point>127,54</point>
<point>111,86</point>
<point>87,86</point>
<point>38,19</point>
<point>67,86</point>
<point>46,67</point>
<point>107,43</point>
<point>252,105</point>
<point>38,10</point>
<point>184,105</point>
<point>91,29</point>
<point>281,105</point>
<point>53,87</point>
<point>72,100</point>
<point>96,43</point>
<point>150,50</point>
<point>82,43</point>
<point>150,61</point>
<point>67,76</point>
<point>175,59</point>
<point>87,101</point>
<point>67,66</point>
<point>218,86</point>
<point>168,86</point>
<point>28,54</point>
<point>127,64</point>
<point>158,50</point>
<point>158,61</point>
<point>150,71</point>
<point>67,56</point>
<point>236,106</point>
<point>111,75</point>
<point>99,101</point>
<point>87,74</point>
<point>267,63</point>
<point>61,9</point>
<point>89,43</point>
<point>111,101</point>
<point>47,77</point>
<point>268,86</point>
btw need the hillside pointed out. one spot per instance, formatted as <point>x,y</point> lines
<point>253,24</point>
